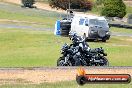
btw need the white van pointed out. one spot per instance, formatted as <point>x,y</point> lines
<point>93,27</point>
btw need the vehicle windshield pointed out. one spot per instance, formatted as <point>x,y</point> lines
<point>101,23</point>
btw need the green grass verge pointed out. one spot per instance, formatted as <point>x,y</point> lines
<point>29,48</point>
<point>38,16</point>
<point>121,30</point>
<point>129,10</point>
<point>48,21</point>
<point>71,84</point>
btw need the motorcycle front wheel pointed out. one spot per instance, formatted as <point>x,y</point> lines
<point>61,62</point>
<point>105,62</point>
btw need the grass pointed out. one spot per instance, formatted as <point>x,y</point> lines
<point>29,48</point>
<point>71,84</point>
<point>118,50</point>
<point>25,48</point>
<point>39,16</point>
<point>49,21</point>
<point>129,10</point>
<point>121,30</point>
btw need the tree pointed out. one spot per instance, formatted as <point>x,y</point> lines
<point>74,4</point>
<point>99,2</point>
<point>114,8</point>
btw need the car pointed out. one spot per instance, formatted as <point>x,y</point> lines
<point>28,3</point>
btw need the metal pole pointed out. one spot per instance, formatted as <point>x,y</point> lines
<point>69,4</point>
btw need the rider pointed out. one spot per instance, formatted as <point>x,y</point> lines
<point>80,45</point>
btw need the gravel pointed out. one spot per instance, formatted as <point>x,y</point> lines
<point>53,74</point>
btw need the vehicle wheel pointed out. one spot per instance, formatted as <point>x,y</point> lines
<point>90,40</point>
<point>81,80</point>
<point>64,19</point>
<point>35,7</point>
<point>23,6</point>
<point>101,33</point>
<point>105,62</point>
<point>103,40</point>
<point>61,62</point>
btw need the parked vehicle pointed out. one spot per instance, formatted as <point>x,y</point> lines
<point>63,27</point>
<point>93,27</point>
<point>28,3</point>
<point>80,54</point>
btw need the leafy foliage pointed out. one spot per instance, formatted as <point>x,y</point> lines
<point>114,8</point>
<point>74,4</point>
<point>99,2</point>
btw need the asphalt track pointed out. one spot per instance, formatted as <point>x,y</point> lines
<point>9,26</point>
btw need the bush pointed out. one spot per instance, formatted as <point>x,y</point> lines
<point>99,2</point>
<point>114,8</point>
<point>75,4</point>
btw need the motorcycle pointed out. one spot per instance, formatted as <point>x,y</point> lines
<point>80,54</point>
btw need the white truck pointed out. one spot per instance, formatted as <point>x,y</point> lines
<point>92,27</point>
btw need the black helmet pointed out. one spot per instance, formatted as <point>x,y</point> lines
<point>65,46</point>
<point>74,37</point>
